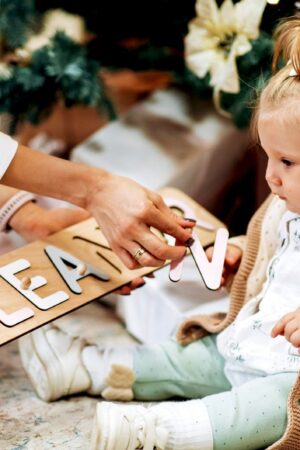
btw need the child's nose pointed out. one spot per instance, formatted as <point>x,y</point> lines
<point>272,177</point>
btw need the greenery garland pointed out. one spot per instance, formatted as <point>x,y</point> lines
<point>61,69</point>
<point>16,18</point>
<point>69,70</point>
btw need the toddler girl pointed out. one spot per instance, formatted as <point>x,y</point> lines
<point>243,372</point>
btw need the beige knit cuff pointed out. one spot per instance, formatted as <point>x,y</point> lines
<point>238,241</point>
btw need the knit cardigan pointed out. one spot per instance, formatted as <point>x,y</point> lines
<point>260,247</point>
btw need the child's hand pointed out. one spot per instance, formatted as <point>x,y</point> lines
<point>34,222</point>
<point>289,327</point>
<point>231,264</point>
<point>134,284</point>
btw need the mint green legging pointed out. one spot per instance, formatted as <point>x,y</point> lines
<point>248,417</point>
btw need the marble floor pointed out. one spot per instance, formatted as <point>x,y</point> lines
<point>26,422</point>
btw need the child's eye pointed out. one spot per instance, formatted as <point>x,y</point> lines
<point>287,162</point>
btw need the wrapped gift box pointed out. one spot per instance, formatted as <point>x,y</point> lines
<point>169,140</point>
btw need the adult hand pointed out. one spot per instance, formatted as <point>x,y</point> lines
<point>232,261</point>
<point>289,327</point>
<point>125,211</point>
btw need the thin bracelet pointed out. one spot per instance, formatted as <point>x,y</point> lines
<point>12,206</point>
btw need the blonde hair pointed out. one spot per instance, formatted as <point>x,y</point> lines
<point>283,87</point>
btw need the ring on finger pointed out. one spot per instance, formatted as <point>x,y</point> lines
<point>139,253</point>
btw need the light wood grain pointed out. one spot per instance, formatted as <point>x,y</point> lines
<point>70,240</point>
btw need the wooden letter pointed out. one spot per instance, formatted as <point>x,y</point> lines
<point>12,319</point>
<point>211,272</point>
<point>8,273</point>
<point>71,276</point>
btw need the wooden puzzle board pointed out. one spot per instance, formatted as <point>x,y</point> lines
<point>85,242</point>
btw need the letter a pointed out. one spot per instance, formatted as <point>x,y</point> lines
<point>71,276</point>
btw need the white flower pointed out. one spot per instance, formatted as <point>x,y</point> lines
<point>5,71</point>
<point>57,20</point>
<point>35,42</point>
<point>217,36</point>
<point>72,25</point>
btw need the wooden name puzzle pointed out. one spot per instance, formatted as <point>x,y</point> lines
<point>49,278</point>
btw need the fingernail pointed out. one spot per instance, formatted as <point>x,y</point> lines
<point>190,220</point>
<point>189,242</point>
<point>140,285</point>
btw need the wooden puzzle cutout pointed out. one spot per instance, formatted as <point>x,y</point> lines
<point>47,279</point>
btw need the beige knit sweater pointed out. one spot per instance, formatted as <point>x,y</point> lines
<point>260,246</point>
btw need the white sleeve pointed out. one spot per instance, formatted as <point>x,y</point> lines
<point>8,148</point>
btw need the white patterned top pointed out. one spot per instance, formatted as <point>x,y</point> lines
<point>247,345</point>
<point>8,148</point>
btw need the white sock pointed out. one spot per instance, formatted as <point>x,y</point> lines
<point>98,363</point>
<point>187,423</point>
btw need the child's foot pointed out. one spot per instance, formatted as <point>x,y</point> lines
<point>59,365</point>
<point>52,360</point>
<point>118,427</point>
<point>183,425</point>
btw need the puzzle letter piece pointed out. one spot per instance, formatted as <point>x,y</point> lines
<point>12,319</point>
<point>211,272</point>
<point>8,273</point>
<point>71,276</point>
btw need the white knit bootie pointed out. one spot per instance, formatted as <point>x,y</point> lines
<point>52,360</point>
<point>59,365</point>
<point>126,427</point>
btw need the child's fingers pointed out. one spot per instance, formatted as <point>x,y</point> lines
<point>124,290</point>
<point>295,338</point>
<point>231,263</point>
<point>136,283</point>
<point>277,329</point>
<point>280,325</point>
<point>209,252</point>
<point>233,256</point>
<point>291,327</point>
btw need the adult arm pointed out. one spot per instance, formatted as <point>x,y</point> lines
<point>123,209</point>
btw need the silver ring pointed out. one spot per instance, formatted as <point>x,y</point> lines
<point>139,253</point>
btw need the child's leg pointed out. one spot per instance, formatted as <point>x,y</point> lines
<point>249,417</point>
<point>59,365</point>
<point>169,369</point>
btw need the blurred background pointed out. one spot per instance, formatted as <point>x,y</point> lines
<point>135,88</point>
<point>161,91</point>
